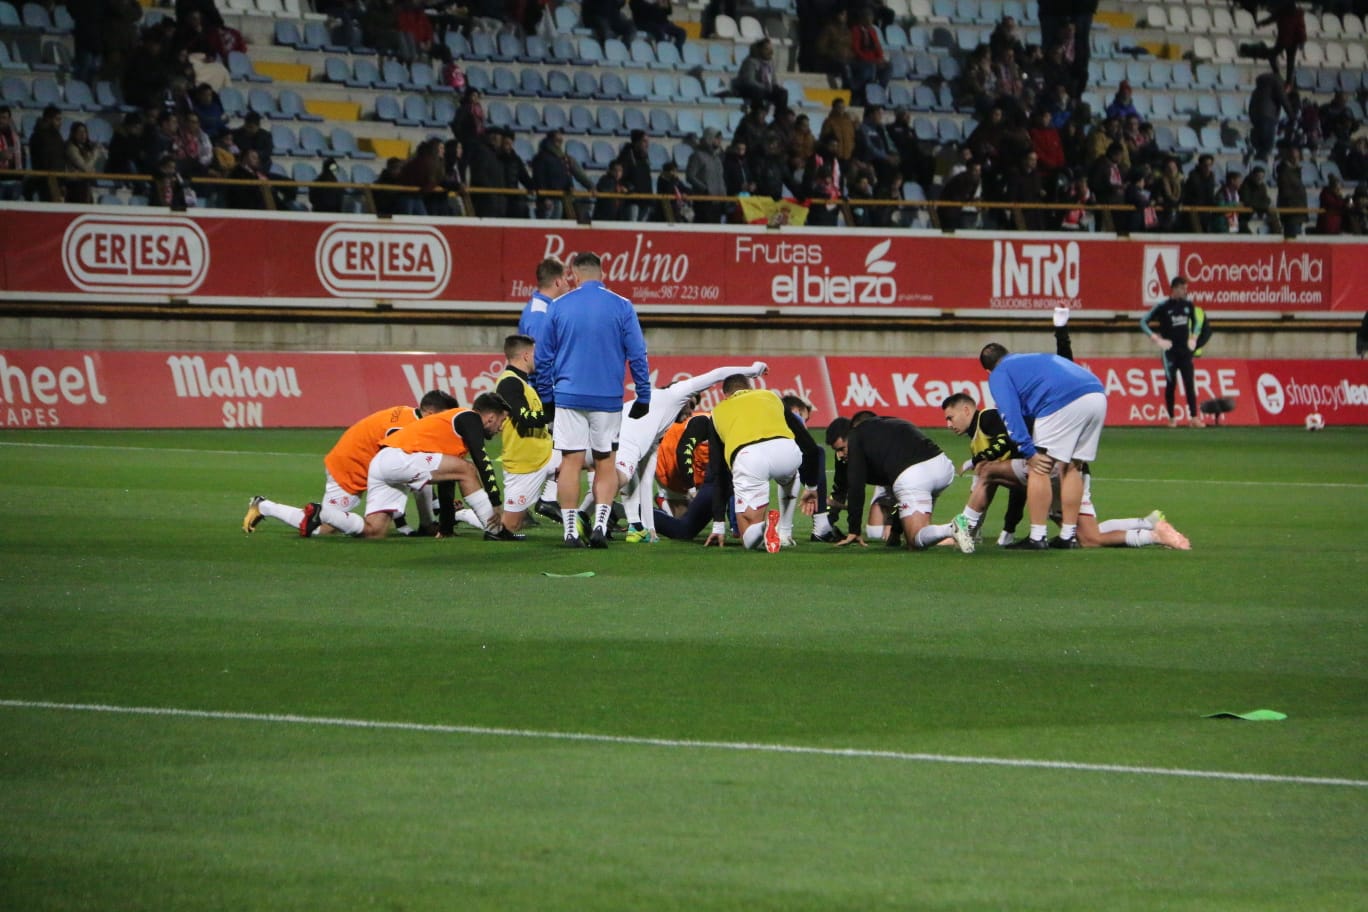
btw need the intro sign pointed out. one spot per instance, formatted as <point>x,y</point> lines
<point>117,389</point>
<point>58,252</point>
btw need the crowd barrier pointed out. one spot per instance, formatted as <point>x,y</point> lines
<point>63,252</point>
<point>185,389</point>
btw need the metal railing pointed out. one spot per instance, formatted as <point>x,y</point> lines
<point>578,205</point>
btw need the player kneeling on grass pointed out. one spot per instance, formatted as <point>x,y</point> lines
<point>528,458</point>
<point>894,454</point>
<point>344,469</point>
<point>639,441</point>
<point>756,440</point>
<point>447,446</point>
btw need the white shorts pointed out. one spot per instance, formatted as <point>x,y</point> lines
<point>759,463</point>
<point>393,473</point>
<point>576,430</point>
<point>918,486</point>
<point>522,491</point>
<point>335,496</point>
<point>1074,431</point>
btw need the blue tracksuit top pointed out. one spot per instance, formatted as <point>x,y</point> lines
<point>588,335</point>
<point>533,319</point>
<point>1027,387</point>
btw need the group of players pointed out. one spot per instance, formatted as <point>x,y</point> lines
<point>558,408</point>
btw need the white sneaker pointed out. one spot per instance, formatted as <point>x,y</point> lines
<point>1005,539</point>
<point>467,516</point>
<point>963,534</point>
<point>786,541</point>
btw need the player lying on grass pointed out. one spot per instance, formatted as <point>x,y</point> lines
<point>640,437</point>
<point>344,472</point>
<point>447,446</point>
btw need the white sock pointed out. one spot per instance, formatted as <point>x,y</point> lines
<point>467,516</point>
<point>974,516</point>
<point>341,520</point>
<point>479,502</point>
<point>1066,531</point>
<point>568,517</point>
<point>821,524</point>
<point>290,516</point>
<point>788,506</point>
<point>1121,525</point>
<point>548,491</point>
<point>1139,538</point>
<point>874,533</point>
<point>601,514</point>
<point>1038,532</point>
<point>631,504</point>
<point>754,536</point>
<point>931,535</point>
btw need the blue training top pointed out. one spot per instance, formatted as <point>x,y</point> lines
<point>588,335</point>
<point>1027,387</point>
<point>533,319</point>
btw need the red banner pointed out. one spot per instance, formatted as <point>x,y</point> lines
<point>92,389</point>
<point>215,256</point>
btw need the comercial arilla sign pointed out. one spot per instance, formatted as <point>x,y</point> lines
<point>109,389</point>
<point>58,252</point>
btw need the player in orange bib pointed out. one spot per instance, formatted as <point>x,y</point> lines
<point>447,446</point>
<point>345,469</point>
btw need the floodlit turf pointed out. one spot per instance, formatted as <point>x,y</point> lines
<point>127,583</point>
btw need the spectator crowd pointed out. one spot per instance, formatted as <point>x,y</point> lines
<point>1037,152</point>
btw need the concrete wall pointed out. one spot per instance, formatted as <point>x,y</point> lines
<point>1119,338</point>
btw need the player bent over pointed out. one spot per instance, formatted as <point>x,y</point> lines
<point>756,440</point>
<point>434,450</point>
<point>344,470</point>
<point>639,439</point>
<point>895,454</point>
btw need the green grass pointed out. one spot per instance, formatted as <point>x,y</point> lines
<point>128,583</point>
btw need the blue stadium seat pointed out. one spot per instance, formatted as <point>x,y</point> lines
<point>607,123</point>
<point>536,50</point>
<point>689,120</point>
<point>443,110</point>
<point>284,140</point>
<point>344,144</point>
<point>531,83</point>
<point>663,123</point>
<point>503,81</point>
<point>554,117</point>
<point>312,141</point>
<point>510,48</point>
<point>292,106</point>
<point>602,154</point>
<point>395,74</point>
<point>667,55</point>
<point>558,84</point>
<point>664,87</point>
<point>526,116</point>
<point>263,102</point>
<point>499,114</point>
<point>581,119</point>
<point>478,78</point>
<point>634,118</point>
<point>239,67</point>
<point>234,105</point>
<point>586,84</point>
<point>335,69</point>
<point>79,96</point>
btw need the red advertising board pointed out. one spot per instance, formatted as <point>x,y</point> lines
<point>93,389</point>
<point>69,253</point>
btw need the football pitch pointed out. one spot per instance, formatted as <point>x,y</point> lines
<point>192,718</point>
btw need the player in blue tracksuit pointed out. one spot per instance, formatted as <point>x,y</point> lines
<point>1068,407</point>
<point>552,282</point>
<point>588,335</point>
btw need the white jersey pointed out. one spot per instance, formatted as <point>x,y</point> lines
<point>646,432</point>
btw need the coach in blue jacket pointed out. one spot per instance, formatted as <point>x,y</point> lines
<point>1068,407</point>
<point>588,335</point>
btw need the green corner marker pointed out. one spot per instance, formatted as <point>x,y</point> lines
<point>585,575</point>
<point>1254,715</point>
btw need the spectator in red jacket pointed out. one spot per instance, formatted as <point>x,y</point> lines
<point>868,63</point>
<point>1045,141</point>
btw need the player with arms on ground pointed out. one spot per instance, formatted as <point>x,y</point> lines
<point>344,470</point>
<point>434,449</point>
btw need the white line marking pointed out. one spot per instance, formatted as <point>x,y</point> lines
<point>138,449</point>
<point>859,753</point>
<point>1197,481</point>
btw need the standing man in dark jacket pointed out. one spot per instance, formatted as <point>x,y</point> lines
<point>487,172</point>
<point>636,175</point>
<point>1171,325</point>
<point>1291,191</point>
